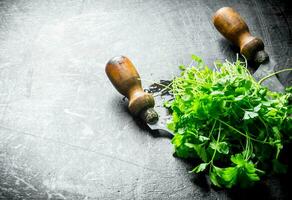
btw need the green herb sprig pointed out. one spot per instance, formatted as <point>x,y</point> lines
<point>235,127</point>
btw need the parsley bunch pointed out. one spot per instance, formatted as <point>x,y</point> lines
<point>232,125</point>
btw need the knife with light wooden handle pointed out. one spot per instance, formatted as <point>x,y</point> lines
<point>232,26</point>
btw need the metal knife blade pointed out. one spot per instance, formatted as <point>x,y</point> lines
<point>267,66</point>
<point>164,115</point>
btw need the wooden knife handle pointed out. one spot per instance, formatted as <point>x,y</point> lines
<point>232,26</point>
<point>124,76</point>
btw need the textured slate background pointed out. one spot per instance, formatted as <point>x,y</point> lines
<point>65,133</point>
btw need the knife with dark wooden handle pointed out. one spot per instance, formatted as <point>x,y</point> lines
<point>125,78</point>
<point>232,26</point>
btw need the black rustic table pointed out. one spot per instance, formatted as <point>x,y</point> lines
<point>65,132</point>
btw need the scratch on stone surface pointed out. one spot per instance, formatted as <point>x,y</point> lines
<point>29,82</point>
<point>179,190</point>
<point>128,124</point>
<point>49,195</point>
<point>6,104</point>
<point>26,183</point>
<point>53,195</point>
<point>4,65</point>
<point>60,195</point>
<point>67,111</point>
<point>85,198</point>
<point>138,186</point>
<point>83,149</point>
<point>70,74</point>
<point>18,146</point>
<point>261,18</point>
<point>83,16</point>
<point>87,131</point>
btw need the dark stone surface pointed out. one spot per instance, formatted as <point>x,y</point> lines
<point>65,133</point>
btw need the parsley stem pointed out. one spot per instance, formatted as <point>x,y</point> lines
<point>273,74</point>
<point>215,151</point>
<point>212,129</point>
<point>266,127</point>
<point>241,133</point>
<point>248,149</point>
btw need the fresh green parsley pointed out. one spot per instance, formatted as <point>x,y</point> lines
<point>232,125</point>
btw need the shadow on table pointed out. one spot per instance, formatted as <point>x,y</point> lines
<point>270,187</point>
<point>154,133</point>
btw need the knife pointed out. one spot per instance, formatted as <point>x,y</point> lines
<point>233,27</point>
<point>126,79</point>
